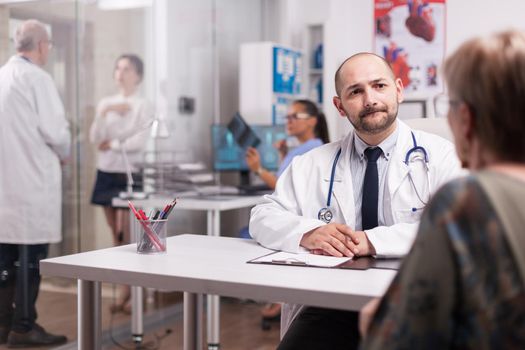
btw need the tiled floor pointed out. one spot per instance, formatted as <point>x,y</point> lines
<point>240,322</point>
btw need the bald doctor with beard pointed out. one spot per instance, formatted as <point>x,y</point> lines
<point>374,204</point>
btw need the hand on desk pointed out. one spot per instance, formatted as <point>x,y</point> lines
<point>363,245</point>
<point>337,240</point>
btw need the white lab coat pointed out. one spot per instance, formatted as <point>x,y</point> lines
<point>34,136</point>
<point>280,222</point>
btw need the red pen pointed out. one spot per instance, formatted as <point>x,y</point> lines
<point>172,205</point>
<point>130,205</point>
<point>164,211</point>
<point>152,235</point>
<point>141,217</point>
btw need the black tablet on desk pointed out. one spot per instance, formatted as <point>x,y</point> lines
<point>368,262</point>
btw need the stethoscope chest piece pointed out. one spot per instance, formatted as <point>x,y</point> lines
<point>325,215</point>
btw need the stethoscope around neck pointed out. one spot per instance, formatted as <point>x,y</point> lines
<point>325,214</point>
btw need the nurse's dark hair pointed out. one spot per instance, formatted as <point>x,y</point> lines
<point>321,128</point>
<point>135,61</point>
<point>497,98</point>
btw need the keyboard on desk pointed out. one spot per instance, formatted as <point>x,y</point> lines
<point>222,190</point>
<point>217,190</point>
<point>254,189</point>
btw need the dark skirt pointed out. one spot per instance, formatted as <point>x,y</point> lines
<point>109,185</point>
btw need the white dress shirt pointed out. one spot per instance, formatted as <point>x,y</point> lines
<point>129,131</point>
<point>358,169</point>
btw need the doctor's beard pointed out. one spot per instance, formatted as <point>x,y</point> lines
<point>363,123</point>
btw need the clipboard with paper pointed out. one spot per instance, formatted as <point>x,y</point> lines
<point>314,260</point>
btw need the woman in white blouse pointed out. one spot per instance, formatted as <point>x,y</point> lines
<point>121,122</point>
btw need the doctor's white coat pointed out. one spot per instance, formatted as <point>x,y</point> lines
<point>34,136</point>
<point>280,222</point>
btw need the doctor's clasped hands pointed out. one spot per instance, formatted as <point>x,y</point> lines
<point>337,240</point>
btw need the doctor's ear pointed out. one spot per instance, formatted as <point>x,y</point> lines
<point>339,106</point>
<point>399,90</point>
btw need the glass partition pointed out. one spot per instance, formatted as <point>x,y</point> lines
<point>87,37</point>
<point>190,51</point>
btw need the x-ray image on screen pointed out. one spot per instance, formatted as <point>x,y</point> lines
<point>229,156</point>
<point>242,132</point>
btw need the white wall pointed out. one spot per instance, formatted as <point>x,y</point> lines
<point>349,29</point>
<point>238,21</point>
<point>197,55</point>
<point>342,19</point>
<point>4,34</point>
<point>469,18</point>
<point>286,20</point>
<point>196,52</point>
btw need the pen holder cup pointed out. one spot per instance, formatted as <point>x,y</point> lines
<point>151,236</point>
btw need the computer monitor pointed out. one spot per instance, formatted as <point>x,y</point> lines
<point>229,156</point>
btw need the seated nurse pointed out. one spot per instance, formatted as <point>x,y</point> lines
<point>308,124</point>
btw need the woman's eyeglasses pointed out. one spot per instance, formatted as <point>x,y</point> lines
<point>442,104</point>
<point>298,116</point>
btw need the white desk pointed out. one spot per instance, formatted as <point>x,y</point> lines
<point>213,204</point>
<point>210,265</point>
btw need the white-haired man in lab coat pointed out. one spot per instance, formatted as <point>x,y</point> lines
<point>34,139</point>
<point>379,190</point>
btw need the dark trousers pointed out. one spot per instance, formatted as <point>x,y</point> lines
<point>320,329</point>
<point>19,284</point>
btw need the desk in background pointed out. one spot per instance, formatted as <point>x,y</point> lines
<point>208,265</point>
<point>213,205</point>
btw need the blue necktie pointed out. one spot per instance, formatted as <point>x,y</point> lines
<point>370,189</point>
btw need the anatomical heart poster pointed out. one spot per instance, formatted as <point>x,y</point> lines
<point>410,35</point>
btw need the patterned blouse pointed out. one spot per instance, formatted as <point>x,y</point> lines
<point>459,288</point>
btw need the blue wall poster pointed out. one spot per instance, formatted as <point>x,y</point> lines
<point>287,71</point>
<point>280,106</point>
